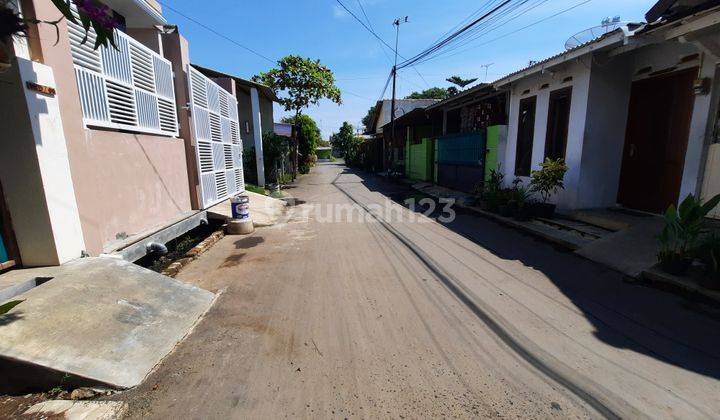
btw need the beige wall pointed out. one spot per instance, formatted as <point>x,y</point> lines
<point>124,183</point>
<point>176,50</point>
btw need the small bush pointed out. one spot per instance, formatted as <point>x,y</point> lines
<point>549,179</point>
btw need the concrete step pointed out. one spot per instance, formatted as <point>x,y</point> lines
<point>581,228</point>
<point>99,320</point>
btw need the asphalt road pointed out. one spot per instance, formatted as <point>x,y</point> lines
<point>337,314</point>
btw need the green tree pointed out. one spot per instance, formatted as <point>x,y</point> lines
<point>431,93</point>
<point>276,149</point>
<point>368,119</point>
<point>341,141</point>
<point>300,82</point>
<point>353,154</point>
<point>460,82</point>
<point>308,135</point>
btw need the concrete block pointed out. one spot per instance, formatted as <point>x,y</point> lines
<point>77,410</point>
<point>102,319</point>
<point>240,227</point>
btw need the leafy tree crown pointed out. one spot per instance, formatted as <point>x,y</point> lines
<point>459,81</point>
<point>431,93</point>
<point>302,82</point>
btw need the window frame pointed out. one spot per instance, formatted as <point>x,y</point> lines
<point>550,142</point>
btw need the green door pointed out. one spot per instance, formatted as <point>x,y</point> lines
<point>491,154</point>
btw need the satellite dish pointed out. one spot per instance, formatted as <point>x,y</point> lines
<point>607,25</point>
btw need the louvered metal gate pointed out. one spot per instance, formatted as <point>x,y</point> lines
<point>129,87</point>
<point>218,147</point>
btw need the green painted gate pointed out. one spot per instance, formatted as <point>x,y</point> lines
<point>491,156</point>
<point>419,160</point>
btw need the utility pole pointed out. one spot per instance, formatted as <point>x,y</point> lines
<point>396,23</point>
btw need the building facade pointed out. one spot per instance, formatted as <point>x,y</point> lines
<point>632,113</point>
<point>99,149</point>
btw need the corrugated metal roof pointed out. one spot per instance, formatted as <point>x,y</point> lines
<point>402,106</point>
<point>539,64</point>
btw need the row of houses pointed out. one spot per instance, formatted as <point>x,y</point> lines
<point>633,112</point>
<point>104,150</point>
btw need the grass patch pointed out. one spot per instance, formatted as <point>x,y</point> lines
<point>255,189</point>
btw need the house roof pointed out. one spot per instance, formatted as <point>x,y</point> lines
<point>402,106</point>
<point>265,90</point>
<point>603,41</point>
<point>671,10</point>
<point>482,89</point>
<point>417,114</point>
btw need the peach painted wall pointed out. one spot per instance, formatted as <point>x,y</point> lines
<point>124,182</point>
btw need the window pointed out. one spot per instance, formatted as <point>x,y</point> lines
<point>526,131</point>
<point>453,121</point>
<point>558,120</point>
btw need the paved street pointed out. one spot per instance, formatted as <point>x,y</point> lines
<point>327,317</point>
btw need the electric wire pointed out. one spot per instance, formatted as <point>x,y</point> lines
<point>453,36</point>
<point>210,29</point>
<point>514,31</point>
<point>374,34</point>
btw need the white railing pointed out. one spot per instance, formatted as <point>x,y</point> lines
<point>128,88</point>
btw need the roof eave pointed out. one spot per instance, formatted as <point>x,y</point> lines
<point>264,89</point>
<point>562,58</point>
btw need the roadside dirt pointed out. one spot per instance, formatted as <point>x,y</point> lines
<point>335,320</point>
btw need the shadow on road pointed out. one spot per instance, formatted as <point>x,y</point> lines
<point>665,326</point>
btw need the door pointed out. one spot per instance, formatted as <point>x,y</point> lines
<point>218,147</point>
<point>526,132</point>
<point>558,122</point>
<point>656,140</point>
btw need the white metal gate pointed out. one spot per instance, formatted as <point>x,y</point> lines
<point>129,87</point>
<point>218,147</point>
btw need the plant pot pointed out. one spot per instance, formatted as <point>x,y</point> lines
<point>675,266</point>
<point>545,210</point>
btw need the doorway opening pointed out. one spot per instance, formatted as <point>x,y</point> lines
<point>656,141</point>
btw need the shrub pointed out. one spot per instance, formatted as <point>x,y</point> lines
<point>683,228</point>
<point>549,178</point>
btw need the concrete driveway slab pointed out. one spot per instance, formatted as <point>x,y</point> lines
<point>102,319</point>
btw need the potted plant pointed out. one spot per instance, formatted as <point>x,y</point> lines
<point>520,201</point>
<point>547,181</point>
<point>679,237</point>
<point>493,193</point>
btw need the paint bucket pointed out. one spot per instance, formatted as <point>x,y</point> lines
<point>240,207</point>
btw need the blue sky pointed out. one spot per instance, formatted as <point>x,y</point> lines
<point>322,29</point>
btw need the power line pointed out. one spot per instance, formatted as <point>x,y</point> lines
<point>365,26</point>
<point>491,25</point>
<point>362,9</point>
<point>513,32</point>
<point>356,95</point>
<point>225,37</point>
<point>453,36</point>
<point>374,34</point>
